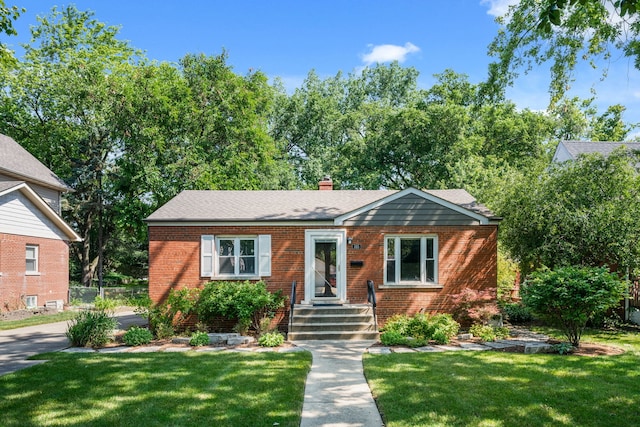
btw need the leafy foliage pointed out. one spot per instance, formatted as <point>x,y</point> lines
<point>517,313</point>
<point>271,339</point>
<point>199,339</point>
<point>569,296</point>
<point>91,329</point>
<point>562,215</point>
<point>419,329</point>
<point>246,301</point>
<point>488,333</point>
<point>137,336</point>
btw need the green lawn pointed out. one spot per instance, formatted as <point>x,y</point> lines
<point>157,389</point>
<point>40,319</point>
<point>507,389</point>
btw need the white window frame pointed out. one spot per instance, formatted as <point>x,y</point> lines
<point>31,301</point>
<point>35,259</point>
<point>210,256</point>
<point>396,238</point>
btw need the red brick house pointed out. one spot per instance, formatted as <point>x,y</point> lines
<point>420,248</point>
<point>34,239</point>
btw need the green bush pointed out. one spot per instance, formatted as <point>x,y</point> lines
<point>488,333</point>
<point>243,301</point>
<point>393,338</point>
<point>564,348</point>
<point>418,330</point>
<point>105,304</point>
<point>199,338</point>
<point>164,331</point>
<point>91,329</point>
<point>271,339</point>
<point>137,336</point>
<point>170,315</point>
<point>517,313</point>
<point>569,297</point>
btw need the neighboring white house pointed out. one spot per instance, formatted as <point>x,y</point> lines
<point>34,239</point>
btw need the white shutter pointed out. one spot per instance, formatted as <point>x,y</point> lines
<point>206,255</point>
<point>264,250</point>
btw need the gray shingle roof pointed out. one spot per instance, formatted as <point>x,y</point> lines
<point>575,148</point>
<point>18,162</point>
<point>278,205</point>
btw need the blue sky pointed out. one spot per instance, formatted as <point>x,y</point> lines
<point>287,39</point>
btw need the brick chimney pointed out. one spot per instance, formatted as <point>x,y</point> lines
<point>325,184</point>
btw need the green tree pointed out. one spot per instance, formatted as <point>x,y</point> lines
<point>8,14</point>
<point>562,33</point>
<point>582,212</point>
<point>570,296</point>
<point>61,102</point>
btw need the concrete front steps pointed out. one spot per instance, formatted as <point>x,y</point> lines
<point>328,322</point>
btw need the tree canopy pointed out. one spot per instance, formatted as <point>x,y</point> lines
<point>562,33</point>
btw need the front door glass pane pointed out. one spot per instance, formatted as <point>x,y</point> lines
<point>325,268</point>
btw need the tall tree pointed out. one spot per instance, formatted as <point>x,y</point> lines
<point>61,102</point>
<point>582,212</point>
<point>562,33</point>
<point>8,14</point>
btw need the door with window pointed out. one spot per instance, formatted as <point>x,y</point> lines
<point>325,275</point>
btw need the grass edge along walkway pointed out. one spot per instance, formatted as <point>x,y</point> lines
<point>157,389</point>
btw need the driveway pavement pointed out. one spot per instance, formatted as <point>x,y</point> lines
<point>16,345</point>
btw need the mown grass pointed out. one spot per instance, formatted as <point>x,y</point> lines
<point>508,389</point>
<point>39,319</point>
<point>157,389</point>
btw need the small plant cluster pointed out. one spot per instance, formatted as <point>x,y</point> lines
<point>137,336</point>
<point>418,330</point>
<point>91,329</point>
<point>564,348</point>
<point>199,338</point>
<point>488,333</point>
<point>271,339</point>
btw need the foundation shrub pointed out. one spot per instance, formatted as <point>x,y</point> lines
<point>419,330</point>
<point>137,336</point>
<point>247,302</point>
<point>271,339</point>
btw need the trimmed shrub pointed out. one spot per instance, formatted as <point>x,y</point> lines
<point>199,339</point>
<point>393,338</point>
<point>271,339</point>
<point>246,302</point>
<point>91,329</point>
<point>137,336</point>
<point>488,333</point>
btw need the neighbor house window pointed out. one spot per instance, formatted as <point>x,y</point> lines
<point>235,256</point>
<point>31,301</point>
<point>32,259</point>
<point>411,259</point>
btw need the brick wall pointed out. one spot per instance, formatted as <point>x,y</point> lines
<point>52,282</point>
<point>467,259</point>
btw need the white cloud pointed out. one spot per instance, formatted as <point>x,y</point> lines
<point>498,7</point>
<point>388,53</point>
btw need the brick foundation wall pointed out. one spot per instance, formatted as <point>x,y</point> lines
<point>467,259</point>
<point>52,282</point>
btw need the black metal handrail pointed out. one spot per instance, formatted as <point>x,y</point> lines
<point>292,303</point>
<point>371,299</point>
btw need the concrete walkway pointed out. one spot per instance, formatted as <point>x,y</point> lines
<point>336,392</point>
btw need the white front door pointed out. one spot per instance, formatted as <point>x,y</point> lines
<point>325,272</point>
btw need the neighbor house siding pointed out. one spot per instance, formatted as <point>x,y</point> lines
<point>50,283</point>
<point>19,216</point>
<point>411,210</point>
<point>50,196</point>
<point>467,258</point>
